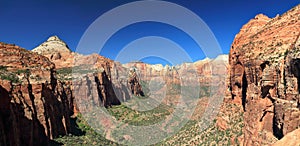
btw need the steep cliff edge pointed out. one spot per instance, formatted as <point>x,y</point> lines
<point>264,76</point>
<point>83,73</point>
<point>35,107</point>
<point>38,100</point>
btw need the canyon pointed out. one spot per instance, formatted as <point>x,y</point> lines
<point>44,90</point>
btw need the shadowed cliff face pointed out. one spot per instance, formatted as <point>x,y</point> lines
<point>37,103</point>
<point>264,76</point>
<point>36,107</point>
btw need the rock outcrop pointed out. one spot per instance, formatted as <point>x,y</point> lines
<point>264,76</point>
<point>38,100</point>
<point>204,69</point>
<point>57,51</point>
<point>82,73</point>
<point>35,106</point>
<point>291,139</point>
<point>52,45</point>
<point>96,73</point>
<point>134,83</point>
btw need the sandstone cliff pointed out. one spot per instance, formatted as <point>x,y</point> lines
<point>264,76</point>
<point>82,73</point>
<point>38,100</point>
<point>204,69</point>
<point>35,106</point>
<point>57,51</point>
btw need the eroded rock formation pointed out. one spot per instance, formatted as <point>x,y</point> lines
<point>134,83</point>
<point>35,107</point>
<point>38,101</point>
<point>264,76</point>
<point>57,51</point>
<point>83,73</point>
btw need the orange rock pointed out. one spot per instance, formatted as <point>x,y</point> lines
<point>36,108</point>
<point>221,123</point>
<point>263,75</point>
<point>291,139</point>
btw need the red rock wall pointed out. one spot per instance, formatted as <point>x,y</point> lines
<point>264,69</point>
<point>37,107</point>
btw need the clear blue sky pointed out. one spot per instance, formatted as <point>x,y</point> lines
<point>28,23</point>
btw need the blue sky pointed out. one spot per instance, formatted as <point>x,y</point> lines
<point>29,23</point>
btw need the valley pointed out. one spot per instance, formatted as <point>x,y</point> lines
<point>53,96</point>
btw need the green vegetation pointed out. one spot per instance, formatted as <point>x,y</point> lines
<point>66,70</point>
<point>6,75</point>
<point>10,77</point>
<point>66,73</point>
<point>189,134</point>
<point>3,68</point>
<point>76,69</point>
<point>132,117</point>
<point>22,71</point>
<point>88,137</point>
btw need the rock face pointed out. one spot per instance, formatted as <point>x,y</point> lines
<point>84,71</point>
<point>134,83</point>
<point>57,51</point>
<point>264,76</point>
<point>95,85</point>
<point>35,107</point>
<point>37,101</point>
<point>291,139</point>
<point>203,68</point>
<point>52,45</point>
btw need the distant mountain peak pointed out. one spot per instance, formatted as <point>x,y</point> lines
<point>223,57</point>
<point>54,38</point>
<point>53,45</point>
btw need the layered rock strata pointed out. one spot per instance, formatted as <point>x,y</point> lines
<point>35,106</point>
<point>264,76</point>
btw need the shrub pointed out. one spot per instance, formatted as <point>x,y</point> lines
<point>11,77</point>
<point>3,68</point>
